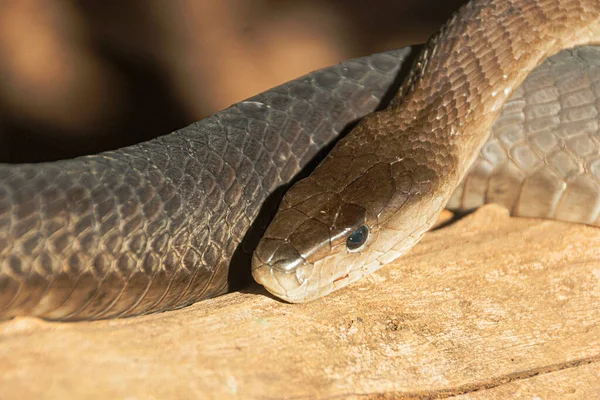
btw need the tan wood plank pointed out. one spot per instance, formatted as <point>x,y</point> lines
<point>476,307</point>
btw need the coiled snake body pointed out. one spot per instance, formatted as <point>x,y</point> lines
<point>155,226</point>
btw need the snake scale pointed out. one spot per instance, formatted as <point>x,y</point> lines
<point>160,225</point>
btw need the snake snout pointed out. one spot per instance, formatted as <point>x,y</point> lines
<point>281,270</point>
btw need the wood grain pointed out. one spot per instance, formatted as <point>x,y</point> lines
<point>488,307</point>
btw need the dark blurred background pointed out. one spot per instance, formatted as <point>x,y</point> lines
<point>83,77</point>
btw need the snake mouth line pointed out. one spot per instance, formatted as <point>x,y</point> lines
<point>297,286</point>
<point>306,282</point>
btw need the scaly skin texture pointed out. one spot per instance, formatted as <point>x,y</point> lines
<point>155,226</point>
<point>543,155</point>
<point>394,173</point>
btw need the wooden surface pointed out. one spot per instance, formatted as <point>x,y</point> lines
<point>490,307</point>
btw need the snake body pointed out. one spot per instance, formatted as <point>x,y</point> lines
<point>384,185</point>
<point>160,225</point>
<point>155,226</point>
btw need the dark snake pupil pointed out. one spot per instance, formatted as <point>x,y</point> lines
<point>357,238</point>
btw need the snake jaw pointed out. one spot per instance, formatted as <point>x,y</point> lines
<point>303,286</point>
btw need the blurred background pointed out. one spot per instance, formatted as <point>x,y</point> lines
<point>82,77</point>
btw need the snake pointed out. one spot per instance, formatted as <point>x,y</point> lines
<point>500,105</point>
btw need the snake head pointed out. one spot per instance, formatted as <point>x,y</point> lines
<point>307,230</point>
<point>327,235</point>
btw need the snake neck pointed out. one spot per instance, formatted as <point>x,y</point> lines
<point>468,70</point>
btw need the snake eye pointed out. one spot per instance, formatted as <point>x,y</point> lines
<point>357,238</point>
